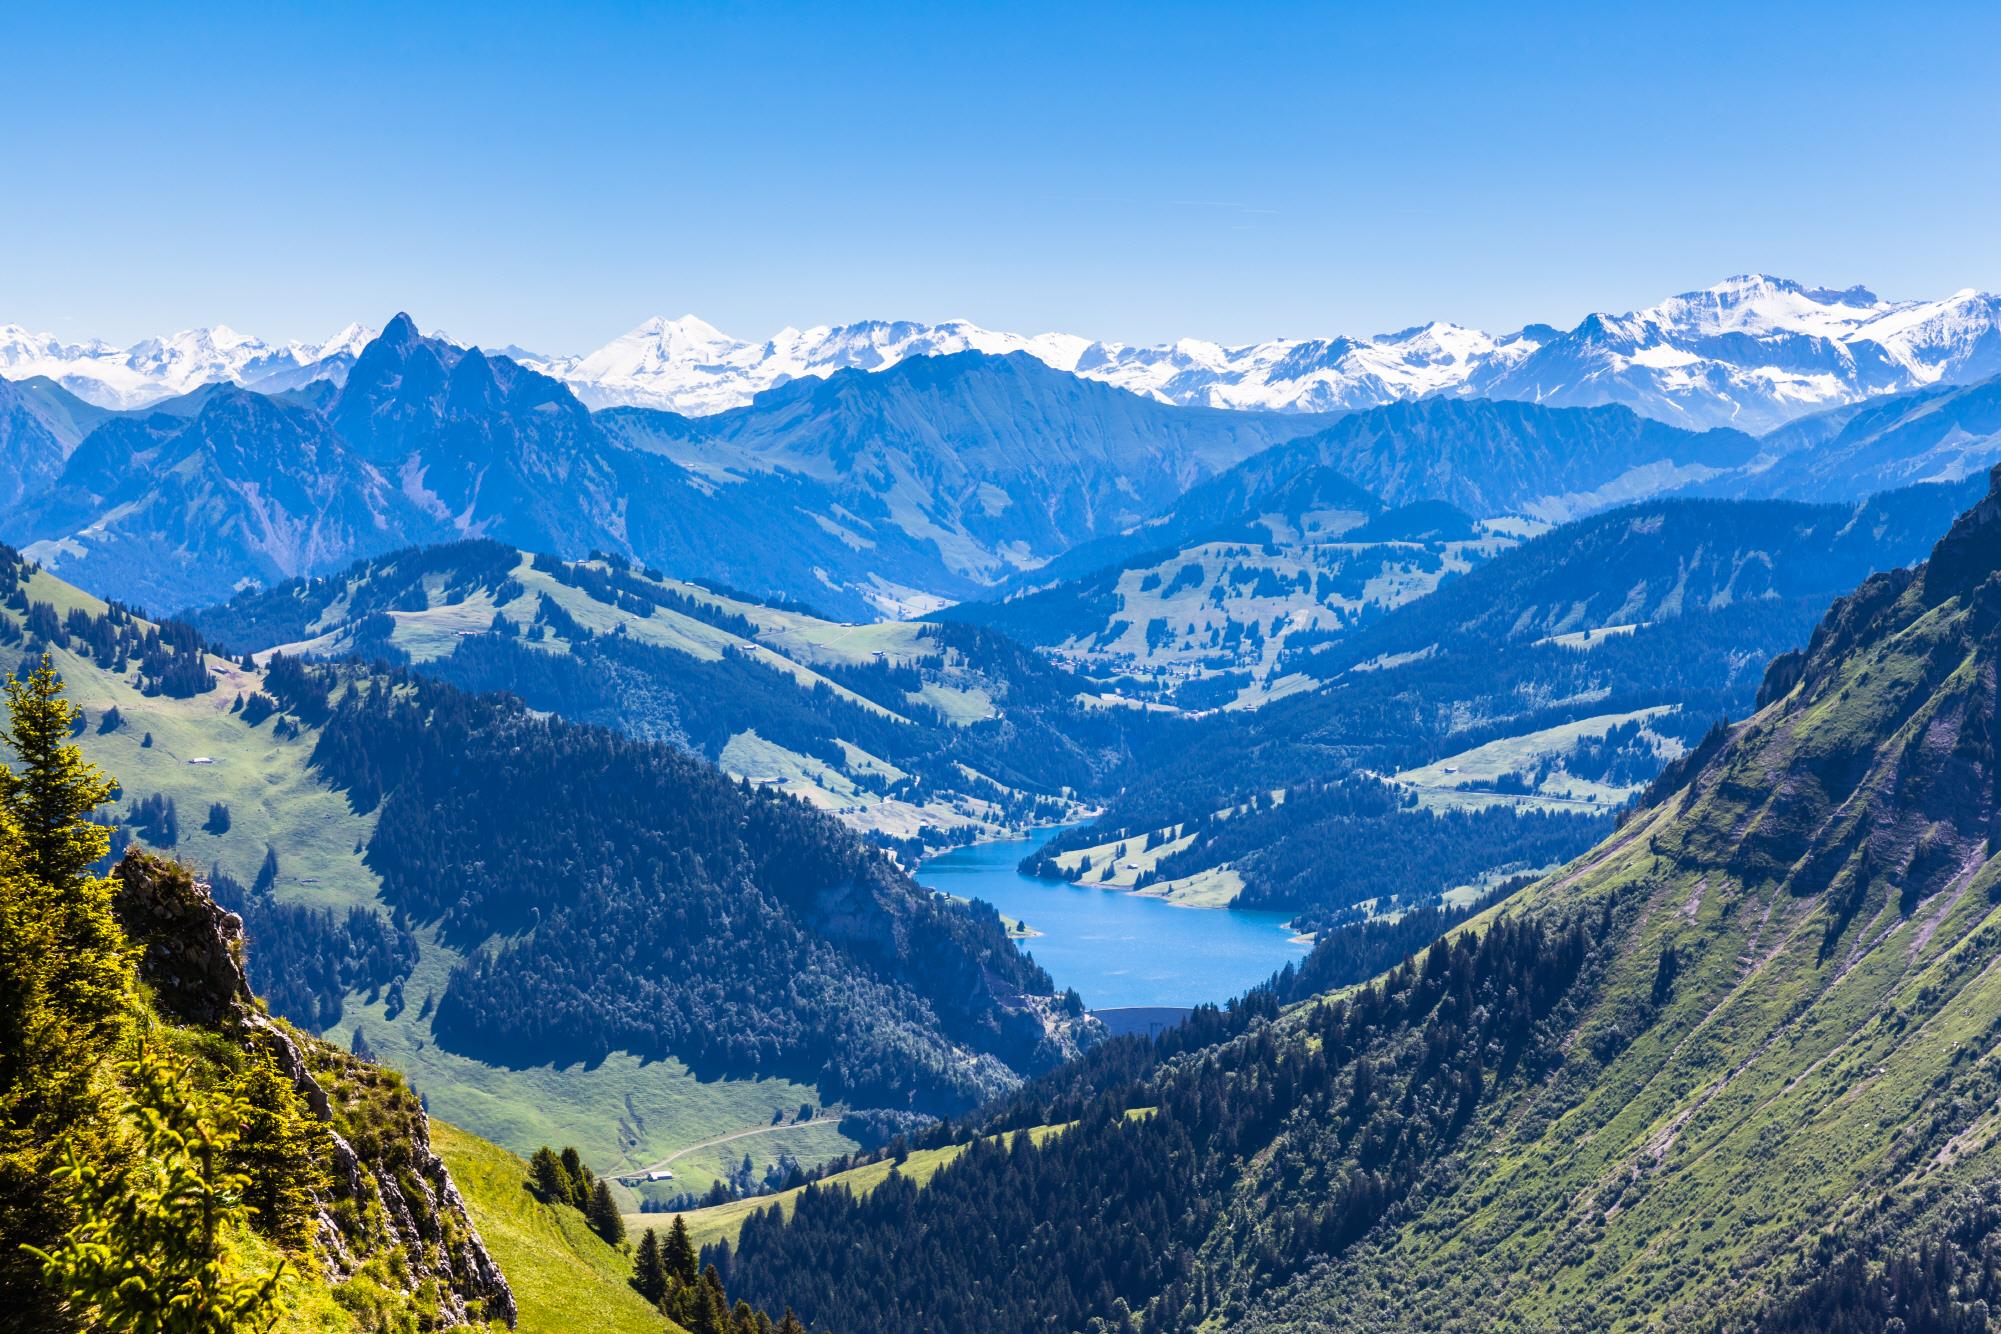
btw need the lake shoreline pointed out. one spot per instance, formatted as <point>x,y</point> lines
<point>1117,947</point>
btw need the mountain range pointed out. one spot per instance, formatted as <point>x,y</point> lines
<point>157,368</point>
<point>1752,352</point>
<point>886,492</point>
<point>868,493</point>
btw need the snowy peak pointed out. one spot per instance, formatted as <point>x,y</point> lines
<point>1751,352</point>
<point>1755,304</point>
<point>688,365</point>
<point>1755,352</point>
<point>160,368</point>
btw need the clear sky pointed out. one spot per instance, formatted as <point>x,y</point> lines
<point>550,176</point>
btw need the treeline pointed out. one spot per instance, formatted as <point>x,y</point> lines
<point>1332,845</point>
<point>1044,744</point>
<point>609,579</point>
<point>654,906</point>
<point>1180,1195</point>
<point>168,656</point>
<point>291,611</point>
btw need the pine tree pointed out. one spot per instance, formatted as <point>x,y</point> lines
<point>679,1254</point>
<point>711,1306</point>
<point>54,787</point>
<point>65,977</point>
<point>281,1149</point>
<point>147,1254</point>
<point>604,1215</point>
<point>649,1269</point>
<point>552,1181</point>
<point>581,1181</point>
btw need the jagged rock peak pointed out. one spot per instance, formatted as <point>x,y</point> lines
<point>1970,553</point>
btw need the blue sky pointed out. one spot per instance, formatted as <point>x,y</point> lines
<point>550,176</point>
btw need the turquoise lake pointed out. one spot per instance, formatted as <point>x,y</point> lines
<point>1119,949</point>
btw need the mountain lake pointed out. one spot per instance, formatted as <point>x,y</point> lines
<point>1119,950</point>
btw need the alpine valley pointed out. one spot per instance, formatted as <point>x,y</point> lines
<point>554,747</point>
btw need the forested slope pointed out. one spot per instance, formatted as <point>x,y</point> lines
<point>742,932</point>
<point>1550,683</point>
<point>1736,1068</point>
<point>166,1148</point>
<point>914,735</point>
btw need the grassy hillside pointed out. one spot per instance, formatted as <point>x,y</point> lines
<point>1218,623</point>
<point>564,1276</point>
<point>244,782</point>
<point>722,1222</point>
<point>910,734</point>
<point>621,1112</point>
<point>1820,1050</point>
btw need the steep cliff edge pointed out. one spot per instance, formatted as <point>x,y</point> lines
<point>392,1208</point>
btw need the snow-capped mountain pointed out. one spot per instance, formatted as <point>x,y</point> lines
<point>690,366</point>
<point>1755,352</point>
<point>161,368</point>
<point>1305,375</point>
<point>1752,352</point>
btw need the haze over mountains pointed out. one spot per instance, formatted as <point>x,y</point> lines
<point>1752,352</point>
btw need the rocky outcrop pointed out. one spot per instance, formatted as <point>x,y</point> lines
<point>388,1188</point>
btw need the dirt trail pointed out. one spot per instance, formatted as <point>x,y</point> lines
<point>726,1139</point>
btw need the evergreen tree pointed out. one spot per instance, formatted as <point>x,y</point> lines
<point>54,787</point>
<point>711,1313</point>
<point>679,1254</point>
<point>604,1215</point>
<point>649,1269</point>
<point>281,1149</point>
<point>581,1181</point>
<point>552,1180</point>
<point>65,977</point>
<point>147,1252</point>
